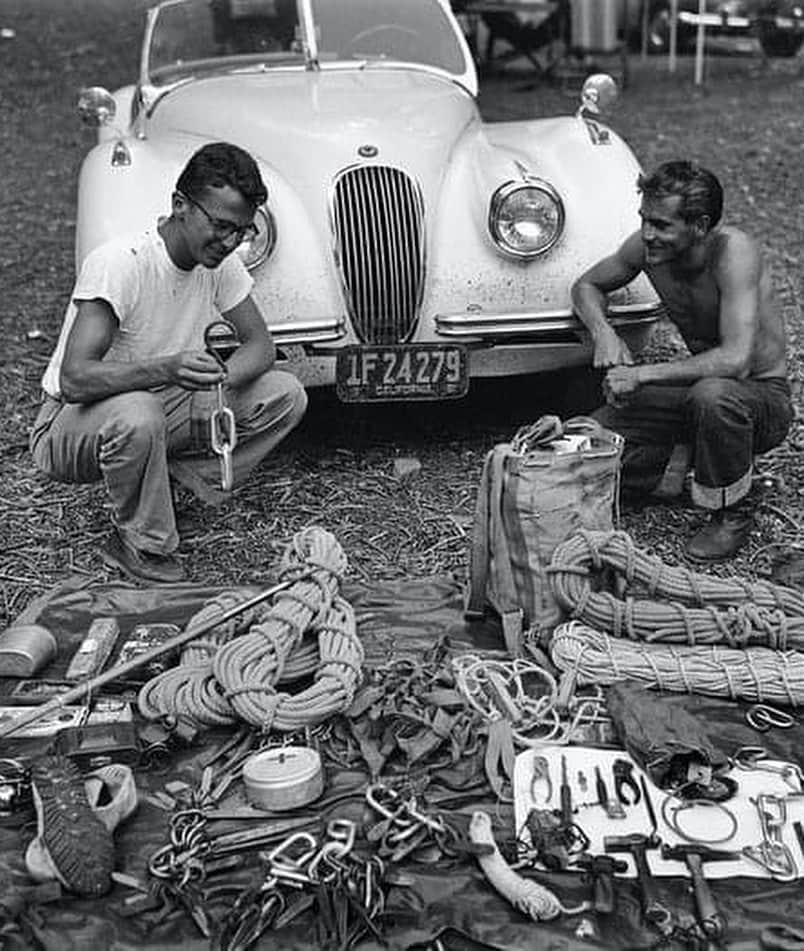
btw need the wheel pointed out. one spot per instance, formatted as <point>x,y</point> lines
<point>776,42</point>
<point>357,43</point>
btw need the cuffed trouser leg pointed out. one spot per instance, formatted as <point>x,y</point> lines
<point>266,410</point>
<point>725,421</point>
<point>123,441</point>
<point>732,421</point>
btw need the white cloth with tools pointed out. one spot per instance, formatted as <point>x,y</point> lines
<point>708,824</point>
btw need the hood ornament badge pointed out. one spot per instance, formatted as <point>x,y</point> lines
<point>368,151</point>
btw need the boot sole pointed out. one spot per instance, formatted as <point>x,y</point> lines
<point>78,843</point>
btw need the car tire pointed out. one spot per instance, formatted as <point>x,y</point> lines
<point>776,42</point>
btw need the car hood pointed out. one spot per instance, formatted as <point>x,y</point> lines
<point>308,126</point>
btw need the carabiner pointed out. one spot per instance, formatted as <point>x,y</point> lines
<point>762,717</point>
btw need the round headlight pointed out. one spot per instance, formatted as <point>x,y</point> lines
<point>254,251</point>
<point>526,219</point>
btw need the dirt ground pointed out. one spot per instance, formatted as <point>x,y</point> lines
<point>746,123</point>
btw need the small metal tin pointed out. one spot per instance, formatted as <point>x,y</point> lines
<point>24,649</point>
<point>285,777</point>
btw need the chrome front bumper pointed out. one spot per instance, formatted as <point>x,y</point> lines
<point>481,327</point>
<point>489,327</point>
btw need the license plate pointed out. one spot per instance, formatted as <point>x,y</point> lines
<point>422,371</point>
<point>785,23</point>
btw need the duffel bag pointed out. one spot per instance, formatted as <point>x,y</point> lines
<point>549,482</point>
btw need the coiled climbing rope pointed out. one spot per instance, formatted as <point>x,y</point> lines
<point>233,673</point>
<point>657,602</point>
<point>755,674</point>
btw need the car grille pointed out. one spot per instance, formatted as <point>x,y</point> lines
<point>378,214</point>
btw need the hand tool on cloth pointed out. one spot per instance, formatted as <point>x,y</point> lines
<point>601,870</point>
<point>221,341</point>
<point>636,844</point>
<point>624,780</point>
<point>614,808</point>
<point>710,918</point>
<point>772,853</point>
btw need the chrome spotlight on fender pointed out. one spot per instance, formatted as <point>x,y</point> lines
<point>599,95</point>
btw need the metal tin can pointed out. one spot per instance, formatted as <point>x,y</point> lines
<point>285,777</point>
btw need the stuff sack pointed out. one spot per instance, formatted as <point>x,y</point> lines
<point>671,745</point>
<point>549,482</point>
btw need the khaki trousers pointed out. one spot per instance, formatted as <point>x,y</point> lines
<point>135,442</point>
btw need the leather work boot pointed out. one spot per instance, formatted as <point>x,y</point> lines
<point>722,536</point>
<point>142,565</point>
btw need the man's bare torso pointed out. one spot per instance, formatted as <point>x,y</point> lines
<point>693,305</point>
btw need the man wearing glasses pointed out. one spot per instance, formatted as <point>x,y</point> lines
<point>130,371</point>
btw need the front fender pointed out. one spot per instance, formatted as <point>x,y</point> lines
<point>597,184</point>
<point>115,200</point>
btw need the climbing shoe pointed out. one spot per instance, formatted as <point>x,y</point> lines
<point>72,844</point>
<point>722,537</point>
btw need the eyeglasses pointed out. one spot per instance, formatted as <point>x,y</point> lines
<point>224,229</point>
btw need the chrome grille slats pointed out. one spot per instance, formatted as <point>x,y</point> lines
<point>378,218</point>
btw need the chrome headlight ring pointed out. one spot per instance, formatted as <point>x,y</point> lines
<point>258,249</point>
<point>526,218</point>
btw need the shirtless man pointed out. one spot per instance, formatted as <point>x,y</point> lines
<point>726,401</point>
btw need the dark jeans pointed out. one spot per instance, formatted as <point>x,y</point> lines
<point>725,422</point>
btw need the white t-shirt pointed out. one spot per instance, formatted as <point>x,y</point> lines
<point>160,308</point>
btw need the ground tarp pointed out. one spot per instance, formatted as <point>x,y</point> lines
<point>450,899</point>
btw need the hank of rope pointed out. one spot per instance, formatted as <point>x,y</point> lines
<point>657,602</point>
<point>530,897</point>
<point>333,688</point>
<point>192,690</point>
<point>755,674</point>
<point>248,667</point>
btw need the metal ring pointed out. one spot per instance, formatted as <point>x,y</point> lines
<point>672,820</point>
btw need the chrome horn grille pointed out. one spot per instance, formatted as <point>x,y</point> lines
<point>378,215</point>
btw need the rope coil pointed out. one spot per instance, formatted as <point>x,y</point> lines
<point>233,674</point>
<point>657,602</point>
<point>756,674</point>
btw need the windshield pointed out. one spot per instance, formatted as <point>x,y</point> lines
<point>413,31</point>
<point>189,37</point>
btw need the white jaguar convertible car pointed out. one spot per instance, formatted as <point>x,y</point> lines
<point>406,247</point>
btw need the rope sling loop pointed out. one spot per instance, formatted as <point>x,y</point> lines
<point>191,690</point>
<point>496,690</point>
<point>674,604</point>
<point>248,667</point>
<point>755,674</point>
